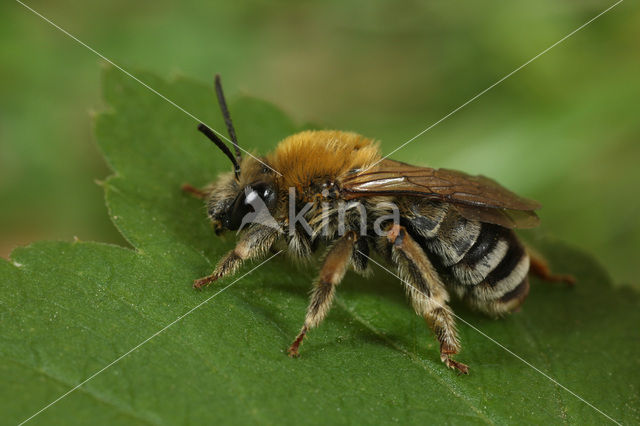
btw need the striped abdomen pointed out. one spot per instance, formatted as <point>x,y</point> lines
<point>486,264</point>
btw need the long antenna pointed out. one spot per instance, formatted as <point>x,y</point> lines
<point>227,118</point>
<point>224,148</point>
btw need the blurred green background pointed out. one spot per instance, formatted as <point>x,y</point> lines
<point>563,130</point>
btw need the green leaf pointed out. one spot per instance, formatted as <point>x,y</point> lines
<point>70,309</point>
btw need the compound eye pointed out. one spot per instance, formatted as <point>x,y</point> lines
<point>266,193</point>
<point>251,199</point>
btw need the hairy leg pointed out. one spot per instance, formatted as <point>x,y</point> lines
<point>539,267</point>
<point>335,266</point>
<point>198,193</point>
<point>255,243</point>
<point>427,293</point>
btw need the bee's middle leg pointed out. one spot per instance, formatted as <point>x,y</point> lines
<point>335,266</point>
<point>427,293</point>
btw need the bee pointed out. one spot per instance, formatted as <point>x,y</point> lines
<point>451,232</point>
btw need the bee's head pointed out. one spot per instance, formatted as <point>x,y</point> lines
<point>235,201</point>
<point>249,189</point>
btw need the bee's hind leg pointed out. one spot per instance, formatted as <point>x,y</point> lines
<point>539,267</point>
<point>427,293</point>
<point>335,266</point>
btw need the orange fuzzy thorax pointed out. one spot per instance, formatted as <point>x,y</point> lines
<point>310,155</point>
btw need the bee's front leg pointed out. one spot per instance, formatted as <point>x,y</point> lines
<point>197,193</point>
<point>255,243</point>
<point>427,293</point>
<point>335,266</point>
